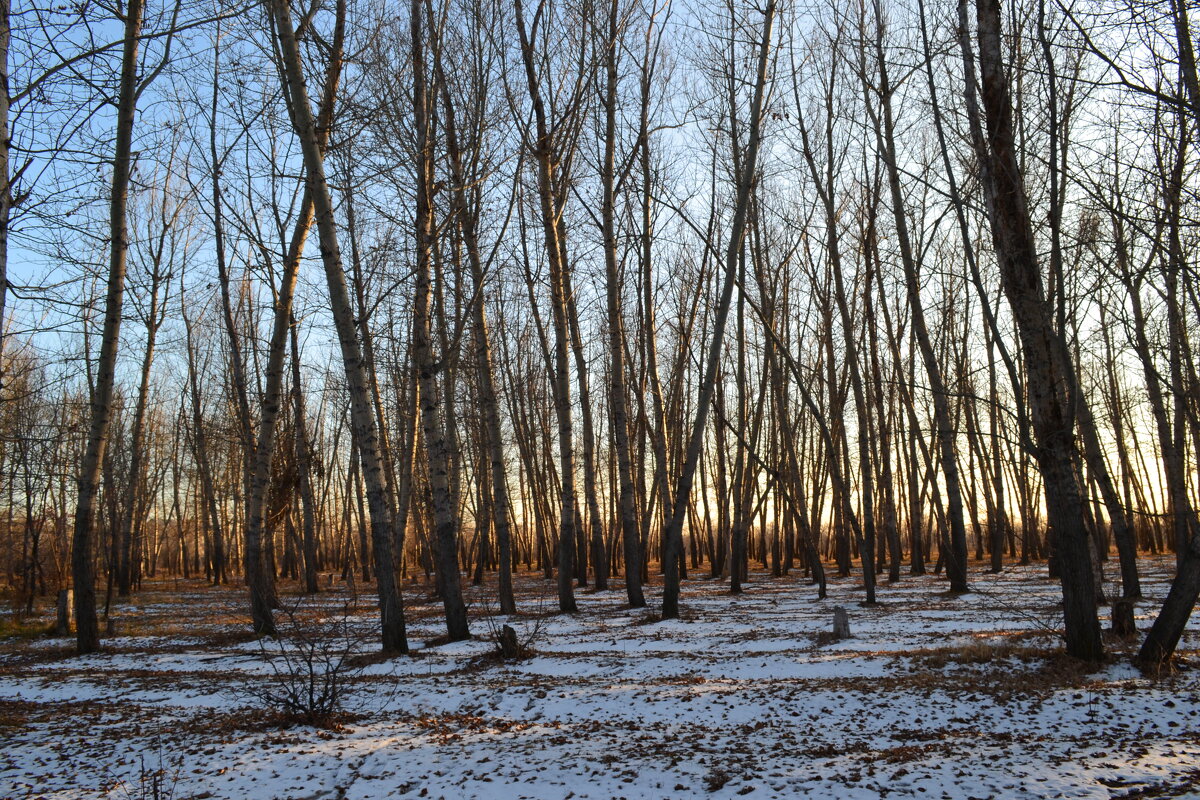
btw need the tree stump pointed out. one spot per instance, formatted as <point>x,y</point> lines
<point>841,623</point>
<point>510,648</point>
<point>66,612</point>
<point>1122,619</point>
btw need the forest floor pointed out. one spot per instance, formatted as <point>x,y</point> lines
<point>935,696</point>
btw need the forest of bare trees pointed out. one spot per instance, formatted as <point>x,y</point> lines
<point>624,293</point>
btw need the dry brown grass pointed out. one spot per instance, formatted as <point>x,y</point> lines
<point>982,652</point>
<point>24,628</point>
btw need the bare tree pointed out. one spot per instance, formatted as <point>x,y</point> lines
<point>1047,380</point>
<point>745,171</point>
<point>445,514</point>
<point>87,633</point>
<point>361,411</point>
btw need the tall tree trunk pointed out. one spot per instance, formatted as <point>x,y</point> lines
<point>304,471</point>
<point>493,445</point>
<point>1164,634</point>
<point>259,583</point>
<point>445,516</point>
<point>273,398</point>
<point>1046,380</point>
<point>215,550</point>
<point>6,196</point>
<point>884,425</point>
<point>83,568</point>
<point>825,189</point>
<point>745,183</point>
<point>544,154</point>
<point>599,555</point>
<point>657,421</point>
<point>956,566</point>
<point>618,391</point>
<point>130,519</point>
<point>361,411</point>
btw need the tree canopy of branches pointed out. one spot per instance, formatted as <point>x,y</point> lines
<point>614,292</point>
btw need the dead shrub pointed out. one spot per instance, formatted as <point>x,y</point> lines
<point>314,663</point>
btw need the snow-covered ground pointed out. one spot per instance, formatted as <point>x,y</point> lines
<point>934,697</point>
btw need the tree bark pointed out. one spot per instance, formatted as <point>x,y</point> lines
<point>6,196</point>
<point>618,392</point>
<point>361,411</point>
<point>83,568</point>
<point>1020,274</point>
<point>956,567</point>
<point>130,520</point>
<point>745,183</point>
<point>544,155</point>
<point>445,517</point>
<point>467,219</point>
<point>304,471</point>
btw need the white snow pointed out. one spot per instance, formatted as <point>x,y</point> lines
<point>934,697</point>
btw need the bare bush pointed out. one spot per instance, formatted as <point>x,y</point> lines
<point>314,662</point>
<point>154,781</point>
<point>509,643</point>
